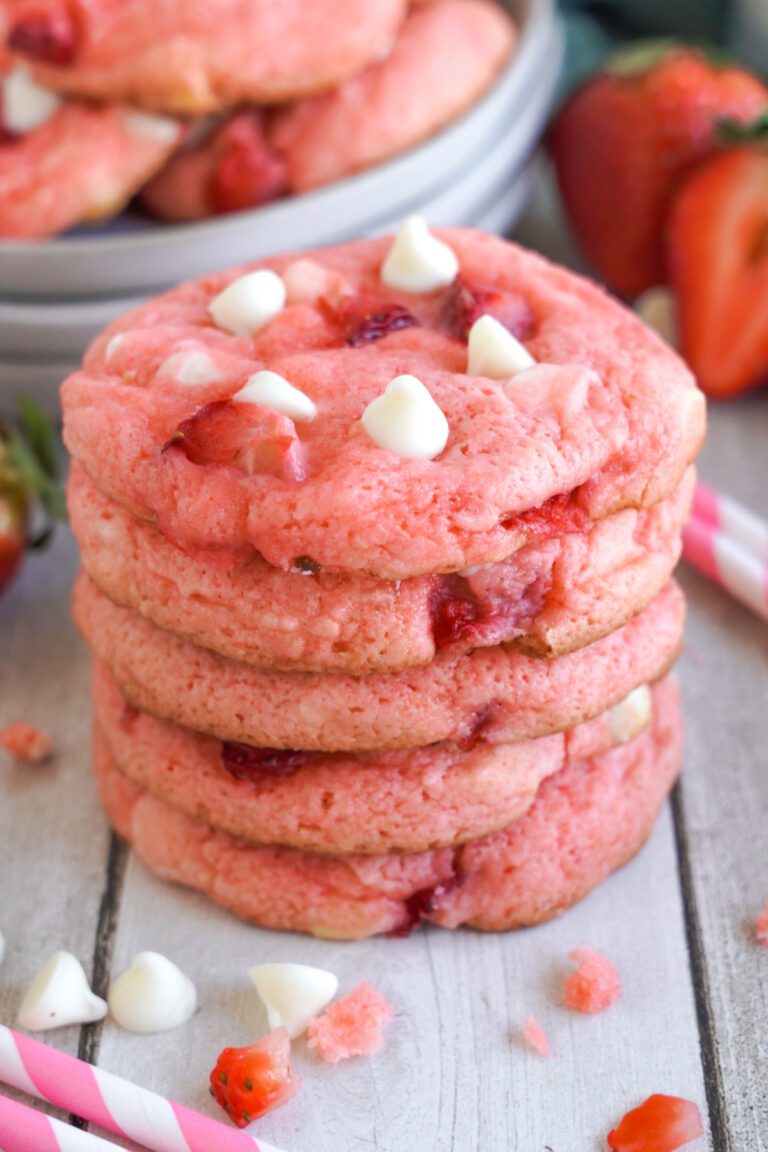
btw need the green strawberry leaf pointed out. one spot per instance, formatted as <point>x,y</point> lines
<point>737,132</point>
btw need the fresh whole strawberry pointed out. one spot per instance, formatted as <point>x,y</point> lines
<point>28,486</point>
<point>625,139</point>
<point>718,258</point>
<point>659,1124</point>
<point>247,1082</point>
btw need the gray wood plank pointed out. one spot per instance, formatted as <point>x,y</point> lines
<point>725,793</point>
<point>53,838</point>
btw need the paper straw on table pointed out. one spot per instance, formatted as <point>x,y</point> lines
<point>727,563</point>
<point>24,1129</point>
<point>731,519</point>
<point>111,1103</point>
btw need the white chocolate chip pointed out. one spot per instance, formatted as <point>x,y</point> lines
<point>631,715</point>
<point>190,367</point>
<point>494,352</point>
<point>273,391</point>
<point>293,993</point>
<point>417,260</point>
<point>60,994</point>
<point>145,126</point>
<point>26,105</point>
<point>113,348</point>
<point>248,303</point>
<point>657,308</point>
<point>406,420</point>
<point>153,995</point>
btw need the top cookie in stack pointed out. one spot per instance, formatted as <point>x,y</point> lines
<point>98,97</point>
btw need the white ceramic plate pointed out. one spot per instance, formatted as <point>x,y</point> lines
<point>132,257</point>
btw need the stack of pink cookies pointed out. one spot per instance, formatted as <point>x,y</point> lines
<point>377,545</point>
<point>212,108</point>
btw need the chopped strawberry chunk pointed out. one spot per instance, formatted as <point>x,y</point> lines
<point>537,1037</point>
<point>595,984</point>
<point>245,762</point>
<point>465,303</point>
<point>352,1026</point>
<point>247,1082</point>
<point>26,743</point>
<point>660,1124</point>
<point>453,609</point>
<point>244,436</point>
<point>247,171</point>
<point>48,34</point>
<point>365,321</point>
<point>761,928</point>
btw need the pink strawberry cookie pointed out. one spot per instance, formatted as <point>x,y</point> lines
<point>494,694</point>
<point>229,168</point>
<point>446,55</point>
<point>550,597</point>
<point>605,419</point>
<point>65,163</point>
<point>402,801</point>
<point>587,820</point>
<point>192,56</point>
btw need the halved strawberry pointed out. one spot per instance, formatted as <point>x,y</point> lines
<point>660,1124</point>
<point>244,436</point>
<point>47,34</point>
<point>247,1082</point>
<point>466,302</point>
<point>247,171</point>
<point>625,139</point>
<point>718,258</point>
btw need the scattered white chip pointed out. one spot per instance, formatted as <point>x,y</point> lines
<point>190,367</point>
<point>494,352</point>
<point>145,126</point>
<point>274,392</point>
<point>293,993</point>
<point>406,420</point>
<point>417,260</point>
<point>631,715</point>
<point>657,308</point>
<point>26,105</point>
<point>113,348</point>
<point>248,303</point>
<point>153,995</point>
<point>60,994</point>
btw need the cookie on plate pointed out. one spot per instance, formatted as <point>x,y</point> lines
<point>587,820</point>
<point>192,56</point>
<point>64,162</point>
<point>446,55</point>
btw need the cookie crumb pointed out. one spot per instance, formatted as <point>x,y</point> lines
<point>352,1026</point>
<point>27,743</point>
<point>536,1037</point>
<point>595,984</point>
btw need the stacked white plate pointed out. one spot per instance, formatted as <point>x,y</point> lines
<point>55,296</point>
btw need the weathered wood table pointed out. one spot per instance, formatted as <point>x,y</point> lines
<point>454,1076</point>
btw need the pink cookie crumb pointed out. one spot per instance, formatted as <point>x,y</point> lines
<point>595,984</point>
<point>535,1035</point>
<point>26,743</point>
<point>761,928</point>
<point>352,1026</point>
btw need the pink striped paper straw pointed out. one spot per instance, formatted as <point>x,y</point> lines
<point>727,563</point>
<point>112,1103</point>
<point>23,1129</point>
<point>732,519</point>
